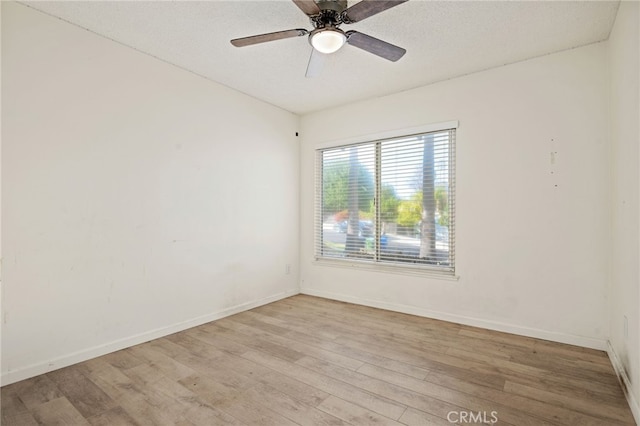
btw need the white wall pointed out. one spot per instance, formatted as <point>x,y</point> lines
<point>532,248</point>
<point>138,199</point>
<point>625,137</point>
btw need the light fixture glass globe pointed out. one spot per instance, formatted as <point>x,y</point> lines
<point>328,41</point>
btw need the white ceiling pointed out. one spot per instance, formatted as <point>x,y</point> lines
<point>443,40</point>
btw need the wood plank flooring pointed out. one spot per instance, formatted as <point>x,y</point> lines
<point>311,361</point>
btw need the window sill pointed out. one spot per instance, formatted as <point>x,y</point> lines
<point>421,271</point>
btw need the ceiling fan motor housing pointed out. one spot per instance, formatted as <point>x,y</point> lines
<point>336,5</point>
<point>331,13</point>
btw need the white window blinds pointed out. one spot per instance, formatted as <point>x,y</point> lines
<point>389,201</point>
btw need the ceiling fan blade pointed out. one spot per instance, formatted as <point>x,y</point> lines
<point>373,45</point>
<point>316,63</point>
<point>309,7</point>
<point>367,8</point>
<point>262,38</point>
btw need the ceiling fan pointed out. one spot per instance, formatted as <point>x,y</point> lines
<point>326,16</point>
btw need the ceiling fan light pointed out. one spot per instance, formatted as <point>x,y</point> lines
<point>328,41</point>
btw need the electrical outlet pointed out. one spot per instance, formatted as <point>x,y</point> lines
<point>287,269</point>
<point>625,326</point>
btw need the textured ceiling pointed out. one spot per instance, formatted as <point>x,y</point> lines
<point>443,40</point>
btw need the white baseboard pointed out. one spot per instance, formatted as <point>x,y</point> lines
<point>86,354</point>
<point>586,342</point>
<point>625,383</point>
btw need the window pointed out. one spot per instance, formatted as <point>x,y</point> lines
<point>388,202</point>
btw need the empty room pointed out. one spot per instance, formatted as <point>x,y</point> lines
<point>320,212</point>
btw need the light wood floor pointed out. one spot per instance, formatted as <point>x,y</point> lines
<point>312,361</point>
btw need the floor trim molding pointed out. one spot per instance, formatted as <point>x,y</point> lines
<point>625,382</point>
<point>73,358</point>
<point>570,339</point>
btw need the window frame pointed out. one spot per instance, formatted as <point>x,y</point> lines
<point>404,268</point>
